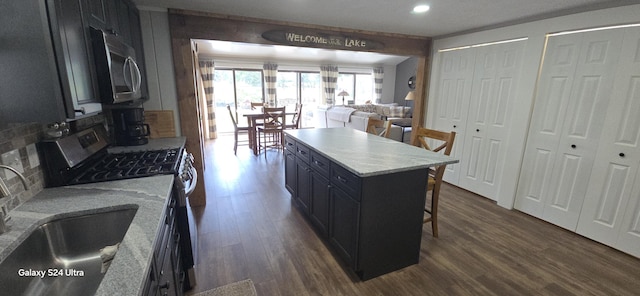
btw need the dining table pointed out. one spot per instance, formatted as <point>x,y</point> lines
<point>253,116</point>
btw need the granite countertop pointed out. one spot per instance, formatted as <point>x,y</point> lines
<point>130,267</point>
<point>365,154</point>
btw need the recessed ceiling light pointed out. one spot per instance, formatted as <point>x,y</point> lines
<point>421,8</point>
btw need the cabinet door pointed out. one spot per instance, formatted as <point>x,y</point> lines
<point>123,20</point>
<point>494,84</point>
<point>343,229</point>
<point>290,172</point>
<point>98,14</point>
<point>574,91</point>
<point>74,57</point>
<point>302,186</point>
<point>320,202</point>
<point>610,208</point>
<point>453,91</point>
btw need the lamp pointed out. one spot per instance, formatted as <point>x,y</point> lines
<point>343,94</point>
<point>409,97</point>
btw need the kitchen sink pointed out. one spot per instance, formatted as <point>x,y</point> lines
<point>63,256</point>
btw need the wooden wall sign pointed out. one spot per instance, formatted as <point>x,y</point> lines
<point>319,39</point>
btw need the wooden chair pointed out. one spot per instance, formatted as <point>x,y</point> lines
<point>237,130</point>
<point>271,129</point>
<point>445,142</point>
<point>295,123</point>
<point>255,105</point>
<point>373,124</point>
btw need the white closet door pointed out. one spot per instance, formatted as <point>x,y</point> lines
<point>494,85</point>
<point>452,101</point>
<point>573,95</point>
<point>588,102</point>
<point>552,98</point>
<point>611,205</point>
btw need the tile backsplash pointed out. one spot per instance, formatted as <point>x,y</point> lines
<point>17,149</point>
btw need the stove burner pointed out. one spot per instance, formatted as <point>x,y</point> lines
<point>131,165</point>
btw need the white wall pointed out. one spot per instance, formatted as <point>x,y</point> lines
<point>159,62</point>
<point>536,32</point>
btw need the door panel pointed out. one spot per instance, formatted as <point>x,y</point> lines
<point>588,101</point>
<point>573,91</point>
<point>494,84</point>
<point>610,213</point>
<point>453,93</point>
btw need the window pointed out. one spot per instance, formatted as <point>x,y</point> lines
<point>299,87</point>
<point>359,87</point>
<point>237,88</point>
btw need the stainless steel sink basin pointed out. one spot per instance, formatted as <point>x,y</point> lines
<point>62,257</point>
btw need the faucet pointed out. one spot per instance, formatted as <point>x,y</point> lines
<point>4,192</point>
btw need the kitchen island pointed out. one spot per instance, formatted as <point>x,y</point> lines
<point>364,194</point>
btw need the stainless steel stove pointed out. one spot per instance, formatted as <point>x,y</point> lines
<point>130,165</point>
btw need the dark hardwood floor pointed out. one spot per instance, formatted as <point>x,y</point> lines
<point>250,229</point>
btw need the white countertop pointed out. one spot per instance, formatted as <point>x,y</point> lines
<point>365,154</point>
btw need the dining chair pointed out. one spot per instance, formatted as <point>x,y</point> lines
<point>374,124</point>
<point>237,130</point>
<point>295,123</point>
<point>256,105</point>
<point>270,133</point>
<point>444,142</point>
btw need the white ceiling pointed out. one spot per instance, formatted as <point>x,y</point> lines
<point>446,17</point>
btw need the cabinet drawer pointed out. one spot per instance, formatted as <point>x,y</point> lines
<point>319,163</point>
<point>289,144</point>
<point>346,180</point>
<point>302,152</point>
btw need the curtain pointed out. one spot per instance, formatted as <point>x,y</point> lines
<point>206,74</point>
<point>378,74</point>
<point>270,71</point>
<point>329,75</point>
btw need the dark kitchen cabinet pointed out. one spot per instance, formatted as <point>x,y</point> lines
<point>110,16</point>
<point>290,165</point>
<point>303,174</point>
<point>165,274</point>
<point>47,71</point>
<point>344,216</point>
<point>319,212</point>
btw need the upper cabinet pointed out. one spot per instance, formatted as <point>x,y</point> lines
<point>111,16</point>
<point>48,71</point>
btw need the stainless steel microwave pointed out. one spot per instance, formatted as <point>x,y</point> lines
<point>118,73</point>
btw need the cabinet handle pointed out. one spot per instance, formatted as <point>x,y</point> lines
<point>341,179</point>
<point>302,152</point>
<point>318,163</point>
<point>621,154</point>
<point>573,146</point>
<point>81,111</point>
<point>477,130</point>
<point>454,126</point>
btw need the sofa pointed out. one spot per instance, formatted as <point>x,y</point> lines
<point>357,117</point>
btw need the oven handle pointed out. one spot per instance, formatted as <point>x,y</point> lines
<point>194,181</point>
